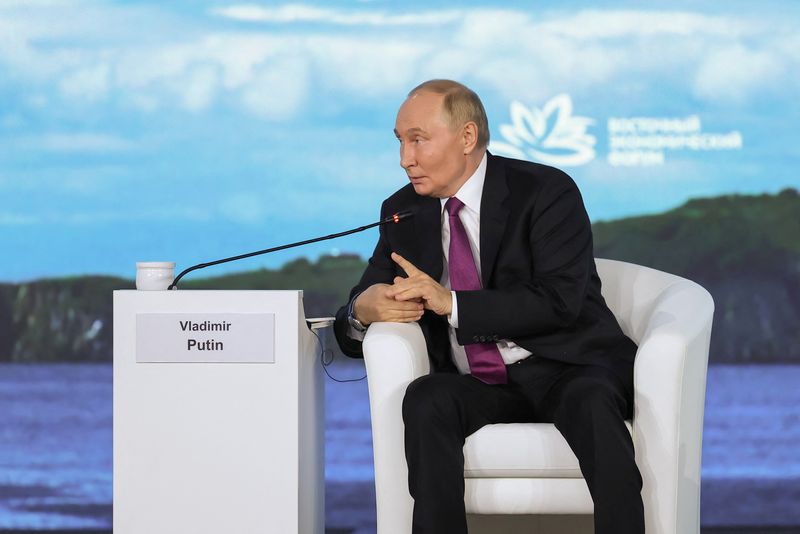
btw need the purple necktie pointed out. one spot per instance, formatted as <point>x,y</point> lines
<point>485,362</point>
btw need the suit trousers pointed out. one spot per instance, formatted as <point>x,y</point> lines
<point>587,403</point>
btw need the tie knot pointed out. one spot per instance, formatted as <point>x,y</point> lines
<point>453,206</point>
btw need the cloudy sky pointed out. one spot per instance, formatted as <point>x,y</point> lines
<point>187,131</point>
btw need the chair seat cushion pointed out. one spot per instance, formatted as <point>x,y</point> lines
<point>520,450</point>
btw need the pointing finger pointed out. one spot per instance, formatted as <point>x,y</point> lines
<point>407,266</point>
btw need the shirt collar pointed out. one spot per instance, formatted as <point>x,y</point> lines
<point>472,190</point>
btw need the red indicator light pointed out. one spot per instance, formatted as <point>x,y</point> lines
<point>396,217</point>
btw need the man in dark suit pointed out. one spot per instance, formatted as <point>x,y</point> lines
<point>497,267</point>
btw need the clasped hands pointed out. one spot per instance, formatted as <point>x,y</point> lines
<point>405,300</point>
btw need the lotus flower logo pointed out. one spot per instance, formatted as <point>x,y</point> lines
<point>550,135</point>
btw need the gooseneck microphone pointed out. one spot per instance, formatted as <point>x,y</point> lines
<point>396,218</point>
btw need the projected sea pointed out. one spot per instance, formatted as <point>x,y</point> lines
<point>56,455</point>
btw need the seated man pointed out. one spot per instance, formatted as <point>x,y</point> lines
<point>497,267</point>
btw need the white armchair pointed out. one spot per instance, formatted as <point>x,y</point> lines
<point>529,468</point>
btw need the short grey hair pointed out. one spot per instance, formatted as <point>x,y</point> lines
<point>461,105</point>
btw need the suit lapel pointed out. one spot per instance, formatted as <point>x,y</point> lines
<point>428,236</point>
<point>494,214</point>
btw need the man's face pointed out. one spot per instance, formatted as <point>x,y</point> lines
<point>431,154</point>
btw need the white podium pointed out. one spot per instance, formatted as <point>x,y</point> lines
<point>224,439</point>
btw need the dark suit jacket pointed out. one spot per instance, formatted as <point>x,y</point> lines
<point>540,284</point>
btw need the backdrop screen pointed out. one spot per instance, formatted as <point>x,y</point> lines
<point>189,131</point>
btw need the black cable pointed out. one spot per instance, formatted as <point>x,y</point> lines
<point>325,365</point>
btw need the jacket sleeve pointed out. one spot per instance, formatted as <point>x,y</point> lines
<point>380,270</point>
<point>559,239</point>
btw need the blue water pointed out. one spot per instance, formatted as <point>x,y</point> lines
<point>56,456</point>
<point>55,446</point>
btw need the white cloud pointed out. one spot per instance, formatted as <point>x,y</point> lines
<point>368,67</point>
<point>788,43</point>
<point>517,53</point>
<point>298,13</point>
<point>142,101</point>
<point>611,24</point>
<point>269,72</point>
<point>201,86</point>
<point>147,66</point>
<point>78,142</point>
<point>5,4</point>
<point>279,90</point>
<point>89,83</point>
<point>734,73</point>
<point>240,55</point>
<point>195,74</point>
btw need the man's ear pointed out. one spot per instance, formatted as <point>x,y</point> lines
<point>469,137</point>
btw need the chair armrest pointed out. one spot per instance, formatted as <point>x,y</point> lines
<point>394,354</point>
<point>669,385</point>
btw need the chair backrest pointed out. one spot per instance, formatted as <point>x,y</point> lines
<point>631,292</point>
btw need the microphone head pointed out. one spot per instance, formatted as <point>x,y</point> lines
<point>401,215</point>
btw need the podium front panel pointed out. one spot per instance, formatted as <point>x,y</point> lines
<point>218,446</point>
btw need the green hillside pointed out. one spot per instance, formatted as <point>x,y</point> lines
<point>744,249</point>
<point>69,319</point>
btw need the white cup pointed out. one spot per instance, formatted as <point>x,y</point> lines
<point>154,275</point>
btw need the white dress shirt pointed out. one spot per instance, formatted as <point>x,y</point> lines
<point>470,194</point>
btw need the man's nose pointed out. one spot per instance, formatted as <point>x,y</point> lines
<point>406,156</point>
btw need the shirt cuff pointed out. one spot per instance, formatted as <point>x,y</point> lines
<point>453,317</point>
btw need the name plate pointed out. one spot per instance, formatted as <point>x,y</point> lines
<point>205,337</point>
